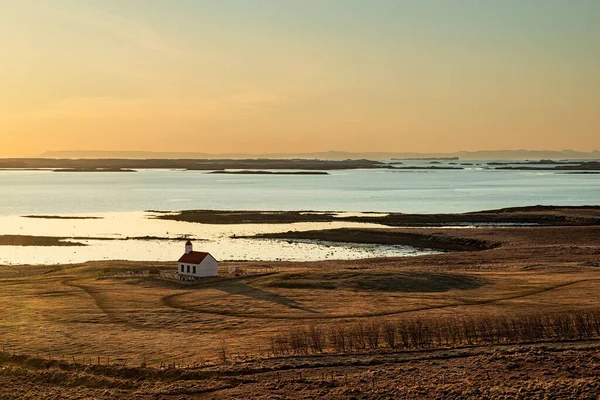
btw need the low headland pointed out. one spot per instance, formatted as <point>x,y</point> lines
<point>538,215</point>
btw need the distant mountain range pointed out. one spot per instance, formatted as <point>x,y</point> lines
<point>335,155</point>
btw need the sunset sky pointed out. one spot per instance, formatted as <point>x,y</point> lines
<point>259,76</point>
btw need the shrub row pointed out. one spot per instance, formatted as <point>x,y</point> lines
<point>427,333</point>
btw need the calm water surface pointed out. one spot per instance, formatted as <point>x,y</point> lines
<point>440,191</point>
<point>121,199</point>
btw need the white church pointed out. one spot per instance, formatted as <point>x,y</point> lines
<point>196,264</point>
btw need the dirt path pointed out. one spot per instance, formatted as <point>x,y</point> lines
<point>103,304</point>
<point>172,302</point>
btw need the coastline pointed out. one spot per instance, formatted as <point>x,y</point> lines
<point>538,215</point>
<point>115,309</point>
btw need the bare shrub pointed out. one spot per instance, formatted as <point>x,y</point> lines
<point>389,332</point>
<point>453,332</point>
<point>438,332</point>
<point>583,325</point>
<point>560,327</point>
<point>403,333</point>
<point>372,331</point>
<point>338,338</point>
<point>298,341</point>
<point>316,338</point>
<point>531,328</point>
<point>505,330</point>
<point>358,335</point>
<point>469,330</point>
<point>485,330</point>
<point>223,351</point>
<point>423,333</point>
<point>280,344</point>
<point>595,320</point>
<point>420,333</point>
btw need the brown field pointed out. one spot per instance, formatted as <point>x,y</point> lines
<point>76,313</point>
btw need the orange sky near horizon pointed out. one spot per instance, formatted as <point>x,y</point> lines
<point>277,77</point>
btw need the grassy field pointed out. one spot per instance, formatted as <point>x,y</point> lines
<point>103,330</point>
<point>75,311</point>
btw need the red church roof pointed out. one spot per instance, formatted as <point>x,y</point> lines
<point>193,257</point>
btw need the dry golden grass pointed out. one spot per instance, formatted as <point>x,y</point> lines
<point>68,310</point>
<point>74,311</point>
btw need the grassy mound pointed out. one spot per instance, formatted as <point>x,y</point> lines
<point>376,281</point>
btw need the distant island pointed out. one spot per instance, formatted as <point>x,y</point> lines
<point>528,162</point>
<point>250,172</point>
<point>586,166</point>
<point>426,167</point>
<point>273,166</point>
<point>58,217</point>
<point>129,165</point>
<point>428,159</point>
<point>92,169</point>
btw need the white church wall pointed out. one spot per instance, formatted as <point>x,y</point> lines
<point>208,267</point>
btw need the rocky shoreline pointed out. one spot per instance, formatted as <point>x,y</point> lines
<point>387,237</point>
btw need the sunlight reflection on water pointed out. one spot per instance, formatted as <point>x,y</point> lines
<point>216,239</point>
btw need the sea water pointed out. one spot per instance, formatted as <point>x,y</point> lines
<point>121,199</point>
<point>409,191</point>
